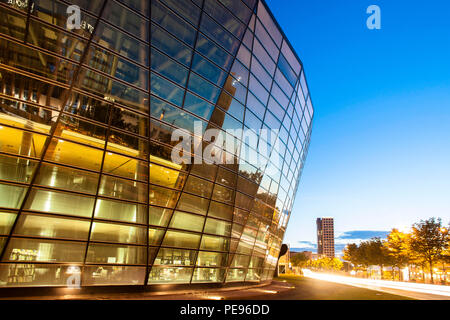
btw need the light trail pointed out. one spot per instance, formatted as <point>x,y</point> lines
<point>380,284</point>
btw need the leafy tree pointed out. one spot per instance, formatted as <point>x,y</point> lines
<point>397,246</point>
<point>299,259</point>
<point>429,241</point>
<point>352,254</point>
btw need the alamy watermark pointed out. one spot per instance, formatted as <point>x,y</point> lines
<point>374,20</point>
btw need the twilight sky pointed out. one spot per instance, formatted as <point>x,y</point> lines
<point>380,150</point>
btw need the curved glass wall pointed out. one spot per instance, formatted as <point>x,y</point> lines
<point>90,193</point>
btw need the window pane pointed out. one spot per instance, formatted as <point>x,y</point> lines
<point>11,196</point>
<point>181,239</point>
<point>220,210</point>
<point>155,236</point>
<point>175,257</point>
<point>208,275</point>
<point>191,222</point>
<point>58,202</point>
<point>203,88</point>
<point>101,253</point>
<point>118,233</point>
<point>123,189</point>
<point>193,204</point>
<point>172,23</point>
<point>211,259</point>
<point>49,227</point>
<point>198,106</point>
<point>159,216</point>
<point>169,275</point>
<point>213,52</point>
<point>21,142</point>
<point>16,169</point>
<point>6,222</point>
<point>215,243</point>
<point>74,154</point>
<point>44,250</point>
<point>67,178</point>
<point>218,227</point>
<point>206,69</point>
<point>167,90</point>
<point>236,275</point>
<point>171,46</point>
<point>33,274</point>
<point>198,186</point>
<point>113,275</point>
<point>163,197</point>
<point>121,211</point>
<point>168,68</point>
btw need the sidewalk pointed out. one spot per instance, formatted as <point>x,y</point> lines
<point>216,294</point>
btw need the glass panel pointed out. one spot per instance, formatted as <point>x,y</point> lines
<point>166,177</point>
<point>123,189</point>
<point>223,194</point>
<point>220,210</point>
<point>198,186</point>
<point>171,46</point>
<point>113,275</point>
<point>213,52</point>
<point>198,106</point>
<point>159,216</point>
<point>181,239</point>
<point>6,221</point>
<point>21,142</point>
<point>172,23</point>
<point>12,196</point>
<point>118,233</point>
<point>236,275</point>
<point>121,211</point>
<point>74,154</point>
<point>193,204</point>
<point>218,227</point>
<point>163,197</point>
<point>44,250</point>
<point>186,221</point>
<point>203,88</point>
<point>211,259</point>
<point>125,167</point>
<point>67,178</point>
<point>209,71</point>
<point>26,275</point>
<point>109,253</point>
<point>215,243</point>
<point>267,21</point>
<point>16,169</point>
<point>169,275</point>
<point>155,236</point>
<point>240,261</point>
<point>167,90</point>
<point>175,257</point>
<point>208,275</point>
<point>58,202</point>
<point>168,68</point>
<point>49,227</point>
<point>185,8</point>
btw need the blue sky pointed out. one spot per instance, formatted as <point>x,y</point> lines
<point>380,150</point>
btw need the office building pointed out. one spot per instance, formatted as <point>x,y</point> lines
<point>325,237</point>
<point>89,106</point>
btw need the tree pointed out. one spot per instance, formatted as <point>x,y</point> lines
<point>429,241</point>
<point>352,254</point>
<point>299,259</point>
<point>397,246</point>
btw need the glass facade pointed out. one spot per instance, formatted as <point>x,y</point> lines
<point>88,185</point>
